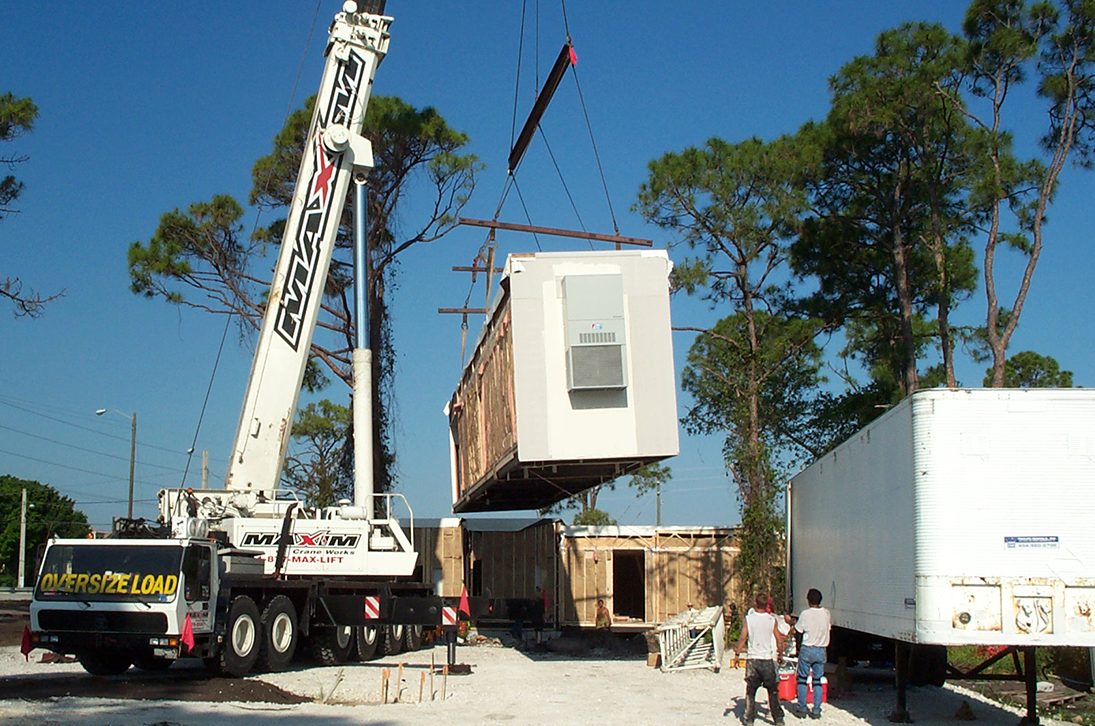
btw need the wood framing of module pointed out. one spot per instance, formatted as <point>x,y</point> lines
<point>645,575</point>
<point>482,412</point>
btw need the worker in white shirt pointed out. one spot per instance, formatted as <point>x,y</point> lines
<point>814,623</point>
<point>765,641</point>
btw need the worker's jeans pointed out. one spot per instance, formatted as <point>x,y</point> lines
<point>811,665</point>
<point>758,672</point>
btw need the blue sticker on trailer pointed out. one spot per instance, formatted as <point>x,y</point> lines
<point>1033,542</point>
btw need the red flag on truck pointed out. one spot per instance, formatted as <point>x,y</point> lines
<point>464,606</point>
<point>25,648</point>
<point>187,636</point>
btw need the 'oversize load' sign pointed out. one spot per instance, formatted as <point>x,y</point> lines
<point>109,583</point>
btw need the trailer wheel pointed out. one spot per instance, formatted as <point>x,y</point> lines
<point>279,630</point>
<point>365,642</point>
<point>393,639</point>
<point>412,638</point>
<point>243,639</point>
<point>927,665</point>
<point>332,645</point>
<point>99,663</point>
<point>152,663</point>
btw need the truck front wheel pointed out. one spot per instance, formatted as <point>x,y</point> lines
<point>279,628</point>
<point>99,663</point>
<point>243,638</point>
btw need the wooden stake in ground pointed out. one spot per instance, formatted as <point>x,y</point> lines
<point>444,680</point>
<point>384,676</point>
<point>398,683</point>
<point>431,676</point>
<point>421,685</point>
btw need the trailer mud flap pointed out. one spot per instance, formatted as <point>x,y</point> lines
<point>344,609</point>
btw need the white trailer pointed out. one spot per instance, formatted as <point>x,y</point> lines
<point>960,516</point>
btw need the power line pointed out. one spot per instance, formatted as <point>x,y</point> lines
<point>90,451</point>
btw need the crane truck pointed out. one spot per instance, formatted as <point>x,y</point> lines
<point>242,577</point>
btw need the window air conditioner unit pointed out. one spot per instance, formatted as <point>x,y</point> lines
<point>596,334</point>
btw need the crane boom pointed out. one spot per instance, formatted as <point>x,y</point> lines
<point>357,43</point>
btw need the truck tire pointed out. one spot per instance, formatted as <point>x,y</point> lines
<point>332,645</point>
<point>152,663</point>
<point>280,634</point>
<point>393,639</point>
<point>242,639</point>
<point>99,663</point>
<point>412,638</point>
<point>366,639</point>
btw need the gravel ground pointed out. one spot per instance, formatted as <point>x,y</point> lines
<point>505,685</point>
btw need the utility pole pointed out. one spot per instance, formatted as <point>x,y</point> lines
<point>658,506</point>
<point>205,468</point>
<point>132,450</point>
<point>132,461</point>
<point>23,541</point>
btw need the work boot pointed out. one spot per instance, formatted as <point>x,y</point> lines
<point>815,715</point>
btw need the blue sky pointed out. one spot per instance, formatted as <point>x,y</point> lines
<point>145,107</point>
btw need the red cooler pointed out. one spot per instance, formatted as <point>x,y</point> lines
<point>787,688</point>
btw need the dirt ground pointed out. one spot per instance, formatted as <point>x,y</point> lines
<point>599,686</point>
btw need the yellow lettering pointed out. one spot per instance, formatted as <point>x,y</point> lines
<point>171,583</point>
<point>81,582</point>
<point>94,583</point>
<point>48,581</point>
<point>147,584</point>
<point>123,582</point>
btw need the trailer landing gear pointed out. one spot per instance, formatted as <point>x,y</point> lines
<point>900,713</point>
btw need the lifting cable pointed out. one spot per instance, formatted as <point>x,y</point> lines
<point>519,143</point>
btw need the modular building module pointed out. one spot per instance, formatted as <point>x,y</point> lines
<point>571,383</point>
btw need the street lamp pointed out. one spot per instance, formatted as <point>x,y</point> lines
<point>132,450</point>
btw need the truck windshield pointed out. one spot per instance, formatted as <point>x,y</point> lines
<point>110,572</point>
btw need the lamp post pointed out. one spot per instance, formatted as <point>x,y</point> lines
<point>132,451</point>
<point>23,541</point>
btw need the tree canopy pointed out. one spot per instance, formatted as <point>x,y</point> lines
<point>201,258</point>
<point>49,514</point>
<point>17,116</point>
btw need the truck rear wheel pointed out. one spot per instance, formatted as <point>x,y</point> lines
<point>104,664</point>
<point>365,642</point>
<point>243,639</point>
<point>279,630</point>
<point>393,639</point>
<point>332,645</point>
<point>412,638</point>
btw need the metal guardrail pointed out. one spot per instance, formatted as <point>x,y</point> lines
<point>693,639</point>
